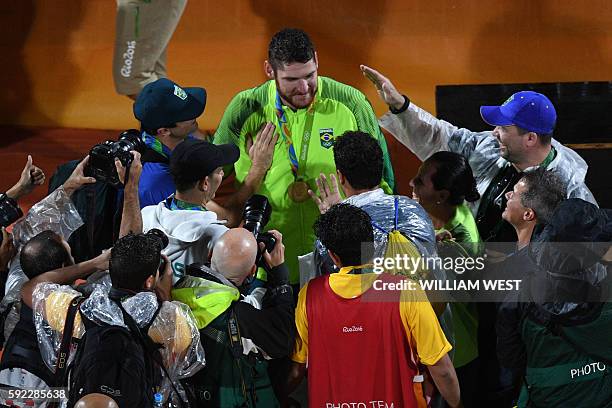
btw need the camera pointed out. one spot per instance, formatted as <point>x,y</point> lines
<point>9,211</point>
<point>101,164</point>
<point>163,243</point>
<point>256,215</point>
<point>160,235</point>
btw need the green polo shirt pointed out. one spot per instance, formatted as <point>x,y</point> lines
<point>465,315</point>
<point>338,108</point>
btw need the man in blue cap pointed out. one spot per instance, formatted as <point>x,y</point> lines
<point>168,115</point>
<point>520,142</point>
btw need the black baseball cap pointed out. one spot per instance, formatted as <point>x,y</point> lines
<point>194,159</point>
<point>163,102</point>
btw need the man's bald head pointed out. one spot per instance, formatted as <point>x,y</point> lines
<point>234,255</point>
<point>96,401</point>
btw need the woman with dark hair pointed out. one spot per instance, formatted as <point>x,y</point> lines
<point>442,185</point>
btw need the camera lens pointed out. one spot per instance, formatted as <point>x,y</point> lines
<point>9,211</point>
<point>163,238</point>
<point>256,214</point>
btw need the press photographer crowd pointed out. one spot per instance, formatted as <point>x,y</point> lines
<point>131,285</point>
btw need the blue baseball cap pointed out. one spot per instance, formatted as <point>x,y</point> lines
<point>163,102</point>
<point>529,110</point>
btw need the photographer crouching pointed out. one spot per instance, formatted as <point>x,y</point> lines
<point>238,334</point>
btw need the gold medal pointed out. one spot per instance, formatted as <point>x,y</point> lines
<point>298,191</point>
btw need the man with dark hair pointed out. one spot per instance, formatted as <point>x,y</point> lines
<point>132,259</point>
<point>359,164</point>
<point>359,158</point>
<point>45,252</point>
<point>532,201</point>
<point>520,142</point>
<point>186,217</point>
<point>306,112</point>
<point>21,363</point>
<point>168,115</point>
<point>339,316</point>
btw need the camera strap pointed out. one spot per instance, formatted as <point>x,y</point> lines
<point>61,364</point>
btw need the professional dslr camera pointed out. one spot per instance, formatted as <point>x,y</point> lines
<point>9,211</point>
<point>256,215</point>
<point>101,164</point>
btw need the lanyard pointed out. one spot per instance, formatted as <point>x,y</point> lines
<point>549,157</point>
<point>154,144</point>
<point>298,168</point>
<point>173,203</point>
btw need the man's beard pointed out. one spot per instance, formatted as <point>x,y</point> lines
<point>289,100</point>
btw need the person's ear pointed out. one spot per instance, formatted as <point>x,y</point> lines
<point>529,215</point>
<point>335,259</point>
<point>269,71</point>
<point>162,132</point>
<point>150,282</point>
<point>531,139</point>
<point>316,60</point>
<point>443,196</point>
<point>204,184</point>
<point>341,178</point>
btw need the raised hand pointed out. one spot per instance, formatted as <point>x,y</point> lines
<point>78,179</point>
<point>261,151</point>
<point>329,193</point>
<point>31,176</point>
<point>385,88</point>
<point>135,169</point>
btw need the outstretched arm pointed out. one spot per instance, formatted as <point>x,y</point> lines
<point>66,275</point>
<point>131,217</point>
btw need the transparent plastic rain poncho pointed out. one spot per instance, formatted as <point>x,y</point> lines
<point>55,212</point>
<point>174,326</point>
<point>425,135</point>
<point>413,223</point>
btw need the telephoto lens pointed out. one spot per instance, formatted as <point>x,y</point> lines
<point>163,238</point>
<point>256,215</point>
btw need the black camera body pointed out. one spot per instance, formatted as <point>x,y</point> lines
<point>9,212</point>
<point>256,215</point>
<point>101,164</point>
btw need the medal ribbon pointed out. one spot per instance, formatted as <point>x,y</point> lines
<point>297,167</point>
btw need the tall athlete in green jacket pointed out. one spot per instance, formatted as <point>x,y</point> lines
<point>306,112</point>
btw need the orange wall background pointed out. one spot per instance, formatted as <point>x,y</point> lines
<point>57,54</point>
